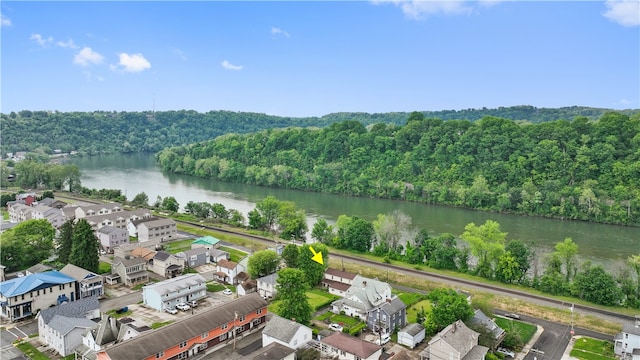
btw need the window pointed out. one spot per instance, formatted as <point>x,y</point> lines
<point>205,335</point>
<point>242,318</point>
<point>183,344</point>
<point>223,337</point>
<point>160,354</point>
<point>224,326</point>
<point>182,355</point>
<point>259,312</point>
<point>257,321</point>
<point>240,329</point>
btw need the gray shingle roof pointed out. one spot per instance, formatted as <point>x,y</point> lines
<point>478,352</point>
<point>162,256</point>
<point>631,329</point>
<point>281,328</point>
<point>75,309</point>
<point>64,324</point>
<point>458,336</point>
<point>394,306</point>
<point>76,272</point>
<point>479,318</point>
<point>351,344</point>
<point>269,279</point>
<point>108,229</point>
<point>153,342</point>
<point>177,283</point>
<point>412,329</point>
<point>273,351</point>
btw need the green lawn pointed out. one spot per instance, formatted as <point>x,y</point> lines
<point>178,246</point>
<point>319,299</point>
<point>410,298</point>
<point>588,348</point>
<point>344,320</point>
<point>412,312</point>
<point>30,350</point>
<point>104,267</point>
<point>234,254</point>
<point>526,330</point>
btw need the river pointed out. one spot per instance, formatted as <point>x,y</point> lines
<point>136,173</point>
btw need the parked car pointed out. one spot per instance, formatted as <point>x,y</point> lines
<point>193,303</point>
<point>335,327</point>
<point>183,306</point>
<point>227,292</point>
<point>171,310</point>
<point>506,352</point>
<point>383,339</point>
<point>513,316</point>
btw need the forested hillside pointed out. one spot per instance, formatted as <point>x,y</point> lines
<point>114,132</point>
<point>574,170</point>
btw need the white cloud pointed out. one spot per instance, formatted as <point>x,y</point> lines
<point>275,31</point>
<point>5,21</point>
<point>624,12</point>
<point>418,9</point>
<point>229,66</point>
<point>133,62</point>
<point>67,44</point>
<point>86,57</point>
<point>41,40</point>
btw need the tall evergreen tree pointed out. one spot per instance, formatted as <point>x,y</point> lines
<point>292,289</point>
<point>65,241</point>
<point>84,252</point>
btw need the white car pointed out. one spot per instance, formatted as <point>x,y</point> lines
<point>193,303</point>
<point>335,327</point>
<point>227,292</point>
<point>506,352</point>
<point>171,310</point>
<point>383,339</point>
<point>183,306</point>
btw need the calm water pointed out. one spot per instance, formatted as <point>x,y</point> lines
<point>133,174</point>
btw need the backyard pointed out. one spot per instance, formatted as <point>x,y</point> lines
<point>317,299</point>
<point>525,330</point>
<point>592,349</point>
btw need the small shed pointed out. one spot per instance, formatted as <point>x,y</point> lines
<point>411,335</point>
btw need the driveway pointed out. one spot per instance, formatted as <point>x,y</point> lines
<point>11,333</point>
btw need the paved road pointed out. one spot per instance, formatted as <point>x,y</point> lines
<point>121,301</point>
<point>8,336</point>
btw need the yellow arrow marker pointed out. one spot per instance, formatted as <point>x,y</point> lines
<point>317,256</point>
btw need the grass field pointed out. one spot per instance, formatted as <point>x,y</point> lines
<point>30,351</point>
<point>410,298</point>
<point>319,299</point>
<point>178,246</point>
<point>412,312</point>
<point>104,267</point>
<point>592,349</point>
<point>526,330</point>
<point>234,254</point>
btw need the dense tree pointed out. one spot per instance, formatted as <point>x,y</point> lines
<point>84,252</point>
<point>292,222</point>
<point>26,244</point>
<point>141,199</point>
<point>567,252</point>
<point>313,271</point>
<point>594,284</point>
<point>448,307</point>
<point>292,287</point>
<point>487,243</point>
<point>322,232</point>
<point>65,241</point>
<point>290,255</point>
<point>394,229</point>
<point>354,233</point>
<point>523,256</point>
<point>269,209</point>
<point>263,263</point>
<point>170,203</point>
<point>441,252</point>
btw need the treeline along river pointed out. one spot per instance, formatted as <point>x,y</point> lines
<point>136,173</point>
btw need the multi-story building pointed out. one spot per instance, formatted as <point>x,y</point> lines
<point>129,271</point>
<point>170,292</point>
<point>111,237</point>
<point>25,296</point>
<point>193,336</point>
<point>88,284</point>
<point>61,327</point>
<point>155,229</point>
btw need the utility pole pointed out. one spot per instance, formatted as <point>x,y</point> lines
<point>235,319</point>
<point>572,332</point>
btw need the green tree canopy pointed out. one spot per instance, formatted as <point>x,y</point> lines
<point>292,287</point>
<point>84,252</point>
<point>26,244</point>
<point>313,271</point>
<point>65,242</point>
<point>290,255</point>
<point>487,243</point>
<point>448,307</point>
<point>263,263</point>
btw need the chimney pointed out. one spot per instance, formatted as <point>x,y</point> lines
<point>389,300</point>
<point>364,284</point>
<point>455,327</point>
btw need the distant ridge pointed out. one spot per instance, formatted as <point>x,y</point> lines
<point>127,132</point>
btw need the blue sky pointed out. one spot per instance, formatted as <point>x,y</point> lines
<point>313,58</point>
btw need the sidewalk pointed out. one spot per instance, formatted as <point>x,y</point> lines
<point>525,350</point>
<point>567,351</point>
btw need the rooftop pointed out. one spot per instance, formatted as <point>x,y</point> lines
<point>175,284</point>
<point>282,329</point>
<point>25,284</point>
<point>351,344</point>
<point>206,240</point>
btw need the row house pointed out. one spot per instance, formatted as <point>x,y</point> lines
<point>99,209</point>
<point>19,212</point>
<point>170,292</point>
<point>108,331</point>
<point>116,220</point>
<point>627,342</point>
<point>167,265</point>
<point>61,327</point>
<point>128,271</point>
<point>25,296</point>
<point>111,237</point>
<point>155,229</point>
<point>88,283</point>
<point>193,336</point>
<point>337,281</point>
<point>54,203</point>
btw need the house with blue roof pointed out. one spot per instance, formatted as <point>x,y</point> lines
<point>25,296</point>
<point>208,242</point>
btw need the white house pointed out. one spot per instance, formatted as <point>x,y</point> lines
<point>346,347</point>
<point>456,341</point>
<point>267,285</point>
<point>411,335</point>
<point>227,271</point>
<point>274,351</point>
<point>627,342</point>
<point>88,284</point>
<point>364,296</point>
<point>61,327</point>
<point>338,281</point>
<point>286,332</point>
<point>172,291</point>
